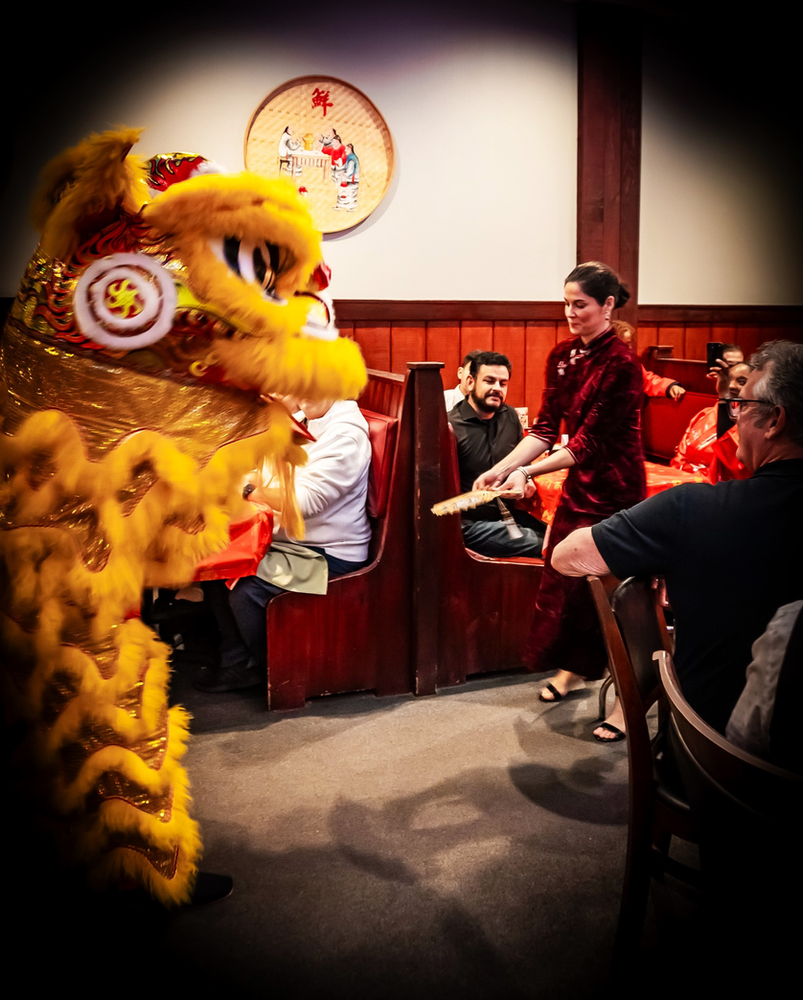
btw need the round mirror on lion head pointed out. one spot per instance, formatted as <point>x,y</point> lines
<point>331,141</point>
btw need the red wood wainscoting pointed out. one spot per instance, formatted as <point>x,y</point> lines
<point>392,332</point>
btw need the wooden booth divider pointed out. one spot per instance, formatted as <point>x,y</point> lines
<point>425,612</point>
<point>473,613</point>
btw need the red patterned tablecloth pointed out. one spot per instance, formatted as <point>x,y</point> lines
<point>250,540</point>
<point>549,487</point>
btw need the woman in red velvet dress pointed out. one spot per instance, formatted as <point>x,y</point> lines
<point>595,384</point>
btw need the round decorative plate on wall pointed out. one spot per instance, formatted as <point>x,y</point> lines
<point>329,139</point>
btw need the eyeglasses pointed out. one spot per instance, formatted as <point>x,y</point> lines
<point>735,405</point>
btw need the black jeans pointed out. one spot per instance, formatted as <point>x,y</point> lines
<point>240,613</point>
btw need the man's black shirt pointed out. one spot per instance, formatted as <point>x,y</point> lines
<point>481,444</point>
<point>731,556</point>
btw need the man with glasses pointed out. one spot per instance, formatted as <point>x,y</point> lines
<point>730,552</point>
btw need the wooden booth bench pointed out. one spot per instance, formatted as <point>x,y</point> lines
<point>426,612</point>
<point>664,420</point>
<point>357,636</point>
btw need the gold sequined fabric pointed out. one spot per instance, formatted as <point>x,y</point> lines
<point>107,402</point>
<point>93,738</point>
<point>114,785</point>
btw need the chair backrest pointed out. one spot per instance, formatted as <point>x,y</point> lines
<point>785,747</point>
<point>722,778</point>
<point>632,629</point>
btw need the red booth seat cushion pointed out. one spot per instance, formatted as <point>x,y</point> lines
<point>664,421</point>
<point>382,431</point>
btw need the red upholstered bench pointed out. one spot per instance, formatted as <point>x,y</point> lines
<point>357,636</point>
<point>382,431</point>
<point>663,422</point>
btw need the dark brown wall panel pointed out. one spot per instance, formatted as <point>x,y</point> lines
<point>672,336</point>
<point>540,338</point>
<point>723,333</point>
<point>428,310</point>
<point>750,338</point>
<point>647,337</point>
<point>696,339</point>
<point>388,342</point>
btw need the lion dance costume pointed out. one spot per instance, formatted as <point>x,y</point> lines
<point>163,302</point>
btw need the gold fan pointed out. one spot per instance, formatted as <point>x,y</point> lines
<point>474,498</point>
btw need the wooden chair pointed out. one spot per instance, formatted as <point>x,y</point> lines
<point>633,628</point>
<point>747,810</point>
<point>473,612</point>
<point>358,636</point>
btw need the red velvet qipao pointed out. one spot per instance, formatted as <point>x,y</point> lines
<point>598,392</point>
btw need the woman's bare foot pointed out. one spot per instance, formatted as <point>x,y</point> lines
<point>561,684</point>
<point>613,728</point>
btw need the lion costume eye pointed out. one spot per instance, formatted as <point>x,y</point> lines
<point>125,301</point>
<point>256,262</point>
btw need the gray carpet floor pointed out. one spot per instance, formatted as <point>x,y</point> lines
<point>467,844</point>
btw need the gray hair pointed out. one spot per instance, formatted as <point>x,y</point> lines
<point>781,383</point>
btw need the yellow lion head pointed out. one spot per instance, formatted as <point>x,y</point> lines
<point>172,268</point>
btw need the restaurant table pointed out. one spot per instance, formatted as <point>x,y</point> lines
<point>544,501</point>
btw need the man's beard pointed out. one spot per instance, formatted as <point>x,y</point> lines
<point>484,407</point>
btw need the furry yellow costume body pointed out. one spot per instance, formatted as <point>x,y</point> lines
<point>163,301</point>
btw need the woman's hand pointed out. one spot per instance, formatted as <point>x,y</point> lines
<point>518,482</point>
<point>676,391</point>
<point>489,480</point>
